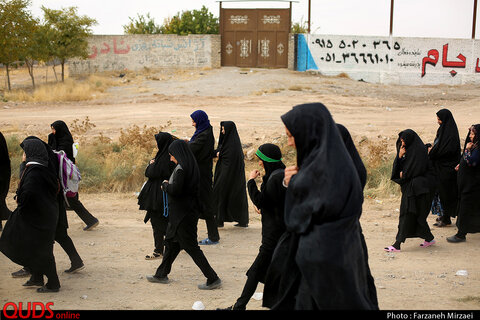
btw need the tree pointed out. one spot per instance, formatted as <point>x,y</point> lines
<point>191,22</point>
<point>16,28</point>
<point>70,33</point>
<point>141,25</point>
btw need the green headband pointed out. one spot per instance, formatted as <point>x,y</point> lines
<point>264,157</point>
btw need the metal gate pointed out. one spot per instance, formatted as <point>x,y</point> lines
<point>255,37</point>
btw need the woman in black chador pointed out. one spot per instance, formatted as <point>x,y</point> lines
<point>30,231</point>
<point>362,174</point>
<point>61,139</point>
<point>269,201</point>
<point>183,203</point>
<point>319,262</point>
<point>410,169</point>
<point>445,155</point>
<point>5,173</point>
<point>202,144</point>
<point>151,198</point>
<point>468,220</point>
<point>229,187</point>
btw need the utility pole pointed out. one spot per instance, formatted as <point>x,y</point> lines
<point>391,17</point>
<point>474,24</point>
<point>309,13</point>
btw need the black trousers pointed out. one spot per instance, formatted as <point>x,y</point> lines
<point>186,239</point>
<point>248,291</point>
<point>50,271</point>
<point>159,227</point>
<point>62,237</point>
<point>75,204</point>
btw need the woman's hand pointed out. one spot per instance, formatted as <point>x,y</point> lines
<point>456,168</point>
<point>289,173</point>
<point>401,152</point>
<point>254,174</point>
<point>469,145</point>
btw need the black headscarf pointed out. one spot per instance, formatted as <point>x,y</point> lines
<point>273,159</point>
<point>163,139</point>
<point>323,162</point>
<point>476,129</point>
<point>352,150</point>
<point>415,162</point>
<point>181,151</point>
<point>35,151</point>
<point>62,139</point>
<point>447,140</point>
<point>202,123</point>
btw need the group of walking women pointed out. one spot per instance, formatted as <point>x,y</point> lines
<point>438,177</point>
<point>313,253</point>
<point>300,212</point>
<point>40,217</point>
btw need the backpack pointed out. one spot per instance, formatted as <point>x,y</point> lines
<point>69,175</point>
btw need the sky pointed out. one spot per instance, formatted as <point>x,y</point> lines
<point>412,18</point>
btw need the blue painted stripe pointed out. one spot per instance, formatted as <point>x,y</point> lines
<point>304,56</point>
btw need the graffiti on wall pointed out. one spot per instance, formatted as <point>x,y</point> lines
<point>402,60</point>
<point>114,53</point>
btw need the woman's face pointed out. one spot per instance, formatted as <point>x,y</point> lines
<point>439,121</point>
<point>223,129</point>
<point>472,135</point>
<point>290,138</point>
<point>260,164</point>
<point>172,158</point>
<point>53,130</point>
<point>194,124</point>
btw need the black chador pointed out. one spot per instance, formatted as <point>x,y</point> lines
<point>410,169</point>
<point>61,139</point>
<point>445,155</point>
<point>183,202</point>
<point>152,198</point>
<point>5,174</point>
<point>320,262</point>
<point>468,220</point>
<point>229,185</point>
<point>269,200</point>
<point>362,174</point>
<point>202,145</point>
<point>29,233</point>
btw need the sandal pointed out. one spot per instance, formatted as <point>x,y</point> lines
<point>427,244</point>
<point>391,249</point>
<point>153,255</point>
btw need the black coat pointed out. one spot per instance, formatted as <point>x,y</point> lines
<point>320,261</point>
<point>445,155</point>
<point>468,220</point>
<point>270,201</point>
<point>415,187</point>
<point>229,185</point>
<point>203,150</point>
<point>151,195</point>
<point>29,233</point>
<point>182,188</point>
<point>5,174</point>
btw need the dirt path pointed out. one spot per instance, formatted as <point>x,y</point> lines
<point>114,277</point>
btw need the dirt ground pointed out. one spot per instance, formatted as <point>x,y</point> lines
<point>115,273</point>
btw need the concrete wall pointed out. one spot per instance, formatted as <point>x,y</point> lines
<point>391,60</point>
<point>135,52</point>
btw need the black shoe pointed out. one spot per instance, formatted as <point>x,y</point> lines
<point>22,273</point>
<point>32,283</point>
<point>214,285</point>
<point>75,268</point>
<point>91,226</point>
<point>241,225</point>
<point>455,239</point>
<point>156,279</point>
<point>45,289</point>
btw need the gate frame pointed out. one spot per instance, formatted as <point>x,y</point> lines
<point>221,29</point>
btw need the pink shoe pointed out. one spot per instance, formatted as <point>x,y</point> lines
<point>427,244</point>
<point>391,249</point>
